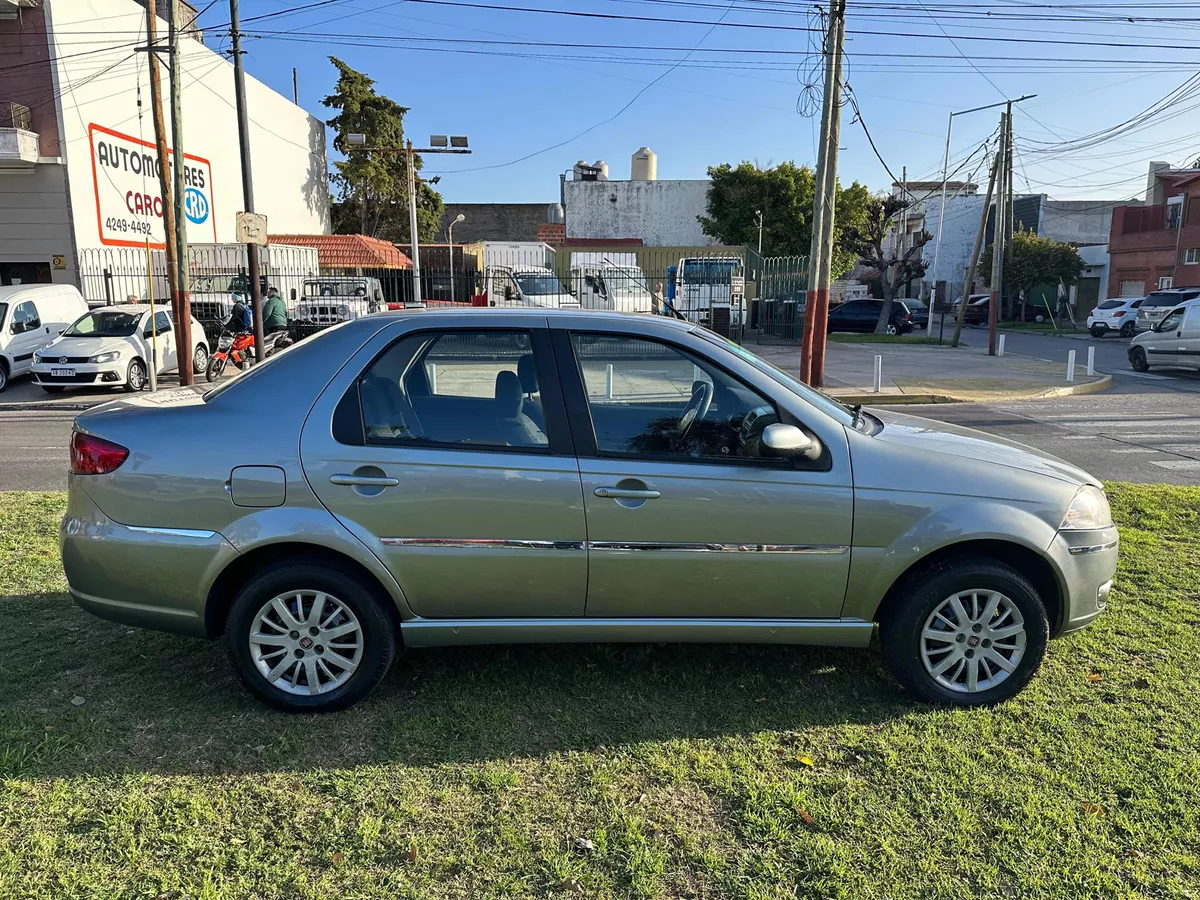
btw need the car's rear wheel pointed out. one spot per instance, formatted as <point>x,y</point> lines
<point>306,637</point>
<point>3,375</point>
<point>200,359</point>
<point>135,376</point>
<point>1128,329</point>
<point>968,632</point>
<point>1137,359</point>
<point>892,329</point>
<point>1099,330</point>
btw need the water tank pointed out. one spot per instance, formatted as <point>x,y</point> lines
<point>601,168</point>
<point>554,214</point>
<point>580,169</point>
<point>644,165</point>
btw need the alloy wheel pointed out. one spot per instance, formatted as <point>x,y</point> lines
<point>973,641</point>
<point>306,642</point>
<point>200,359</point>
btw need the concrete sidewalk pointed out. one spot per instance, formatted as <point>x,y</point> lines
<point>925,373</point>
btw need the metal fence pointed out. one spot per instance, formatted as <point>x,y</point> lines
<point>728,289</point>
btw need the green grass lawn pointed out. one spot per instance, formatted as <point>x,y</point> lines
<point>1046,327</point>
<point>839,337</point>
<point>132,765</point>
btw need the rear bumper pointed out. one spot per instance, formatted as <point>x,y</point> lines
<point>149,577</point>
<point>1087,561</point>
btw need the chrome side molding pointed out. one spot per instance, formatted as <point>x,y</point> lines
<point>1092,548</point>
<point>613,546</point>
<point>173,532</point>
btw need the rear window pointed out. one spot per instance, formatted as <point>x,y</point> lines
<point>1111,304</point>
<point>1169,298</point>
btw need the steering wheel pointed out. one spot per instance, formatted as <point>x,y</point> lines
<point>697,408</point>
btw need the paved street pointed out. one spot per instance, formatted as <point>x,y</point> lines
<point>34,454</point>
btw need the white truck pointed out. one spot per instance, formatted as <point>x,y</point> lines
<point>329,299</point>
<point>610,281</point>
<point>218,271</point>
<point>520,273</point>
<point>710,290</point>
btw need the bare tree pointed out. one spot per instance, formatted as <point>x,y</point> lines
<point>896,269</point>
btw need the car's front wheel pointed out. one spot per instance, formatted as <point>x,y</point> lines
<point>967,632</point>
<point>135,376</point>
<point>307,637</point>
<point>200,359</point>
<point>1137,359</point>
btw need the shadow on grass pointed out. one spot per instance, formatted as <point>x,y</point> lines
<point>157,703</point>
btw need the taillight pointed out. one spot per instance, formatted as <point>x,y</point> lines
<point>95,456</point>
<point>1118,313</point>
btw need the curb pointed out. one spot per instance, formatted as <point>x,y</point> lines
<point>870,399</point>
<point>1074,390</point>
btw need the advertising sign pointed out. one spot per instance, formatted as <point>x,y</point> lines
<point>129,206</point>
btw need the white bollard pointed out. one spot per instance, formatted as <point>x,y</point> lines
<point>1091,360</point>
<point>1070,365</point>
<point>608,381</point>
<point>878,373</point>
<point>1000,346</point>
<point>433,378</point>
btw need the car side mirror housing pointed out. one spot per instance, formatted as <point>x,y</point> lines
<point>789,442</point>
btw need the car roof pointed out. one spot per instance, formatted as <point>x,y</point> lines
<point>490,314</point>
<point>9,291</point>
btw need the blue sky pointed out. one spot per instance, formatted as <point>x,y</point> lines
<point>728,107</point>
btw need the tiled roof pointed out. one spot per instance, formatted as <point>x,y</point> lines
<point>348,251</point>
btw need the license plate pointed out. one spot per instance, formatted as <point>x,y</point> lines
<point>62,373</point>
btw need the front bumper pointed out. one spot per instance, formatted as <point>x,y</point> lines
<point>1087,562</point>
<point>112,374</point>
<point>149,577</point>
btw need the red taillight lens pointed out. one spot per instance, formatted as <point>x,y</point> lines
<point>95,456</point>
<point>1118,313</point>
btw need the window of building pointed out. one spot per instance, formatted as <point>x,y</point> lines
<point>1191,256</point>
<point>1174,212</point>
<point>1133,287</point>
<point>1166,282</point>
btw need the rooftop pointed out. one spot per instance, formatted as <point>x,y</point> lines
<point>348,251</point>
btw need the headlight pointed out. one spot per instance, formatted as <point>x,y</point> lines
<point>37,356</point>
<point>1088,511</point>
<point>105,357</point>
<point>343,312</point>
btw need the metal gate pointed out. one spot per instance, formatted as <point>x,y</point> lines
<point>777,313</point>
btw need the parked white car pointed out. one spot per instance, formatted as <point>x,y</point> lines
<point>1119,315</point>
<point>31,316</point>
<point>1173,341</point>
<point>111,347</point>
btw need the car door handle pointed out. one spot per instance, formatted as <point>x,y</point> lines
<point>618,493</point>
<point>365,480</point>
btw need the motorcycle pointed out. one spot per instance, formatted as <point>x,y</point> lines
<point>239,347</point>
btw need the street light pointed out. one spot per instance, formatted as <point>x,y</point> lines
<point>937,241</point>
<point>759,212</point>
<point>450,240</point>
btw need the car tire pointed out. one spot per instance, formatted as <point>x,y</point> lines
<point>52,388</point>
<point>939,670</point>
<point>373,640</point>
<point>1129,329</point>
<point>215,368</point>
<point>200,360</point>
<point>3,375</point>
<point>892,329</point>
<point>1137,359</point>
<point>1098,331</point>
<point>135,376</point>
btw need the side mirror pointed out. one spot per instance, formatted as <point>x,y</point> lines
<point>788,441</point>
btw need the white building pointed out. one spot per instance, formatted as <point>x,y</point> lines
<point>77,157</point>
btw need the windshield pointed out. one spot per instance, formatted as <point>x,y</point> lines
<point>626,281</point>
<point>538,285</point>
<point>710,271</point>
<point>104,324</point>
<point>335,289</point>
<point>220,284</point>
<point>823,402</point>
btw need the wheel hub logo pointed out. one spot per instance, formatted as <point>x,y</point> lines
<point>195,206</point>
<point>306,643</point>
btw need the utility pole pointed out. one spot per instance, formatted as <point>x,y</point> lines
<point>816,313</point>
<point>979,235</point>
<point>295,87</point>
<point>164,174</point>
<point>412,222</point>
<point>239,93</point>
<point>760,232</point>
<point>1008,209</point>
<point>998,241</point>
<point>182,301</point>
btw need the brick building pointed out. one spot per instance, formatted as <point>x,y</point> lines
<point>1157,245</point>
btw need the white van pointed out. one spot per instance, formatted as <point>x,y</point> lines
<point>31,316</point>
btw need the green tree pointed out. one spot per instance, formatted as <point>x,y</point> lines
<point>784,194</point>
<point>870,242</point>
<point>1035,260</point>
<point>371,186</point>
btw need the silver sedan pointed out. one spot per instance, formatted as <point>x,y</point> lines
<point>487,476</point>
